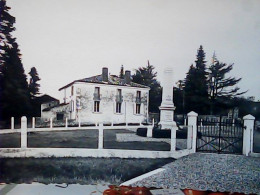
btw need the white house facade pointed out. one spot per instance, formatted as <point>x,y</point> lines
<point>102,98</point>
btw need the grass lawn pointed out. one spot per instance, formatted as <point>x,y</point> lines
<point>75,170</point>
<point>78,139</point>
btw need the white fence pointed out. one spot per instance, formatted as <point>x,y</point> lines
<point>25,151</point>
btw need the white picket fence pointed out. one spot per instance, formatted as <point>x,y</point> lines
<point>25,151</point>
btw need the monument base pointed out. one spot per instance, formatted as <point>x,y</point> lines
<point>166,117</point>
<point>167,125</point>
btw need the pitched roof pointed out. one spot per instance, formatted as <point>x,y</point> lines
<point>112,80</point>
<point>45,98</point>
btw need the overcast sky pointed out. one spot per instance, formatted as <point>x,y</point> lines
<point>73,39</point>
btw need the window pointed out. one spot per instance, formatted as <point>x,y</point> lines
<point>97,91</point>
<point>138,94</point>
<point>138,108</point>
<point>119,92</point>
<point>119,97</point>
<point>138,97</point>
<point>96,106</point>
<point>97,94</point>
<point>118,107</point>
<point>60,116</point>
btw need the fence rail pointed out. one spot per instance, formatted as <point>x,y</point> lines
<point>25,151</point>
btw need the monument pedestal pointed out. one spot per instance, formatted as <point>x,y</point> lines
<point>167,107</point>
<point>166,117</point>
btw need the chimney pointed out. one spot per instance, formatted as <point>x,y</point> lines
<point>127,77</point>
<point>105,74</point>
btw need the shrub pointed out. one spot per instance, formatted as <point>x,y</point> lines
<point>142,132</point>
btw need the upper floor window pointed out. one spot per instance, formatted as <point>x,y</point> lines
<point>119,92</point>
<point>97,94</point>
<point>138,97</point>
<point>138,94</point>
<point>119,97</point>
<point>97,90</point>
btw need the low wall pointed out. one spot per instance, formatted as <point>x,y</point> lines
<point>96,153</point>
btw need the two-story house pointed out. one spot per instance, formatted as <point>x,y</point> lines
<point>102,98</point>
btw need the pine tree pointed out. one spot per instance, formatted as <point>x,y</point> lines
<point>221,87</point>
<point>14,87</point>
<point>33,85</point>
<point>147,76</point>
<point>196,88</point>
<point>121,74</point>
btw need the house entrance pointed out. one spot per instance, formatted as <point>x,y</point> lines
<point>220,135</point>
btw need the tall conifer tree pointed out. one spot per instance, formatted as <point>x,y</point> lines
<point>196,88</point>
<point>14,88</point>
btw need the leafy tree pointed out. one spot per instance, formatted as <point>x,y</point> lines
<point>196,88</point>
<point>33,85</point>
<point>220,86</point>
<point>121,74</point>
<point>14,87</point>
<point>147,76</point>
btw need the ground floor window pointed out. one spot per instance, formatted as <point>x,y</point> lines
<point>60,116</point>
<point>118,107</point>
<point>96,106</point>
<point>138,109</point>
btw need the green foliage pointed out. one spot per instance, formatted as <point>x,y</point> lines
<point>196,88</point>
<point>14,88</point>
<point>147,76</point>
<point>220,86</point>
<point>33,85</point>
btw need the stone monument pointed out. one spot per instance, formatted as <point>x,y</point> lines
<point>167,107</point>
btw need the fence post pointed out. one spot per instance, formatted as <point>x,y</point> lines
<point>23,132</point>
<point>66,122</point>
<point>12,122</point>
<point>173,138</point>
<point>192,131</point>
<point>153,122</point>
<point>149,131</point>
<point>51,123</point>
<point>248,134</point>
<point>33,122</point>
<point>100,136</point>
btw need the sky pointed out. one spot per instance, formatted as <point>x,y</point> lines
<point>73,39</point>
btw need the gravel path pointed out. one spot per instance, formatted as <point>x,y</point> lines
<point>216,172</point>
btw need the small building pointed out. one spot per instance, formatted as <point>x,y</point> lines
<point>102,98</point>
<point>42,101</point>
